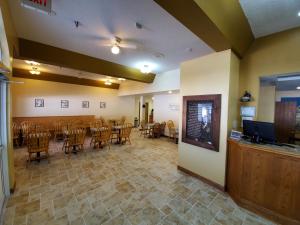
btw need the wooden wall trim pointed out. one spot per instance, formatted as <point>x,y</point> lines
<point>60,57</point>
<point>203,179</point>
<point>62,79</point>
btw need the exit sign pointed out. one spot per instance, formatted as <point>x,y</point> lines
<point>43,5</point>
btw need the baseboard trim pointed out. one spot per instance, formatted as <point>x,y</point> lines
<point>203,179</point>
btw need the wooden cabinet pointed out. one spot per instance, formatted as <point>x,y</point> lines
<point>265,180</point>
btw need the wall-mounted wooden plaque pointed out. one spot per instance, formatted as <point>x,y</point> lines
<point>201,121</point>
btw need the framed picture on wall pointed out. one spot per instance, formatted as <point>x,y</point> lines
<point>102,105</point>
<point>39,102</point>
<point>64,104</point>
<point>85,104</point>
<point>201,121</point>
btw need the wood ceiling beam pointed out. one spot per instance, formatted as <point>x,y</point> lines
<point>194,18</point>
<point>60,57</point>
<point>221,24</point>
<point>62,79</point>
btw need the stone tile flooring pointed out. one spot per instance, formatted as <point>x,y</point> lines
<point>136,184</point>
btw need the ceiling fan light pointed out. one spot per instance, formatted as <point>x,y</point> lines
<point>146,69</point>
<point>115,50</point>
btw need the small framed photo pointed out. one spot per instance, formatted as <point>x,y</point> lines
<point>64,104</point>
<point>85,104</point>
<point>39,102</point>
<point>102,105</point>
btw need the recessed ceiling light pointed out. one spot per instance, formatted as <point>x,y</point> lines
<point>153,98</point>
<point>115,49</point>
<point>298,88</point>
<point>299,13</point>
<point>146,69</point>
<point>170,92</point>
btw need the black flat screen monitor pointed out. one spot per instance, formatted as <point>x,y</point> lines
<point>265,131</point>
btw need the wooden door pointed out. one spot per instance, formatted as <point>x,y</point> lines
<point>285,120</point>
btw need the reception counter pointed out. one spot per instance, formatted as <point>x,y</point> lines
<point>265,179</point>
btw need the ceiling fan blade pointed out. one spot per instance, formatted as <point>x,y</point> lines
<point>132,46</point>
<point>105,43</point>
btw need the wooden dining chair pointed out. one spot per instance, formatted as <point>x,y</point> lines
<point>125,133</point>
<point>172,129</point>
<point>58,130</point>
<point>155,131</point>
<point>16,134</point>
<point>162,128</point>
<point>37,143</point>
<point>74,140</point>
<point>26,128</point>
<point>103,138</point>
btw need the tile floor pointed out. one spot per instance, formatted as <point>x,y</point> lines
<point>136,184</point>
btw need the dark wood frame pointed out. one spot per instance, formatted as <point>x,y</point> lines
<point>102,105</point>
<point>216,119</point>
<point>39,99</point>
<point>87,106</point>
<point>64,101</point>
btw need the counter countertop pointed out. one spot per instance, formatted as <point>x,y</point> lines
<point>269,147</point>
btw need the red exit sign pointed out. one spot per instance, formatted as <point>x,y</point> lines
<point>44,5</point>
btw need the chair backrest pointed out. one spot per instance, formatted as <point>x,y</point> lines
<point>16,129</point>
<point>105,134</point>
<point>170,124</point>
<point>126,130</point>
<point>156,128</point>
<point>162,127</point>
<point>38,141</point>
<point>76,136</point>
<point>122,120</point>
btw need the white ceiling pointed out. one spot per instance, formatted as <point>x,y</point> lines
<point>104,19</point>
<point>271,16</point>
<point>21,64</point>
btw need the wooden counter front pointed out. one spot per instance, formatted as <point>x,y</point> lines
<point>265,180</point>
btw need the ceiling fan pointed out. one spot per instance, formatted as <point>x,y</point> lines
<point>116,44</point>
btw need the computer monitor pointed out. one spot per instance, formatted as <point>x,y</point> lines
<point>259,131</point>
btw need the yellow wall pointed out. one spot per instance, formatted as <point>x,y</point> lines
<point>210,74</point>
<point>275,54</point>
<point>266,104</point>
<point>10,31</point>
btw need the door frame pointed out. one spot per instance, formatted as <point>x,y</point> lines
<point>4,122</point>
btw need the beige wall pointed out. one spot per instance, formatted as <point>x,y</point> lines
<point>23,96</point>
<point>271,55</point>
<point>266,104</point>
<point>210,74</point>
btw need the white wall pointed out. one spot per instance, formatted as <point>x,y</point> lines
<point>23,96</point>
<point>163,82</point>
<point>211,74</point>
<point>164,107</point>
